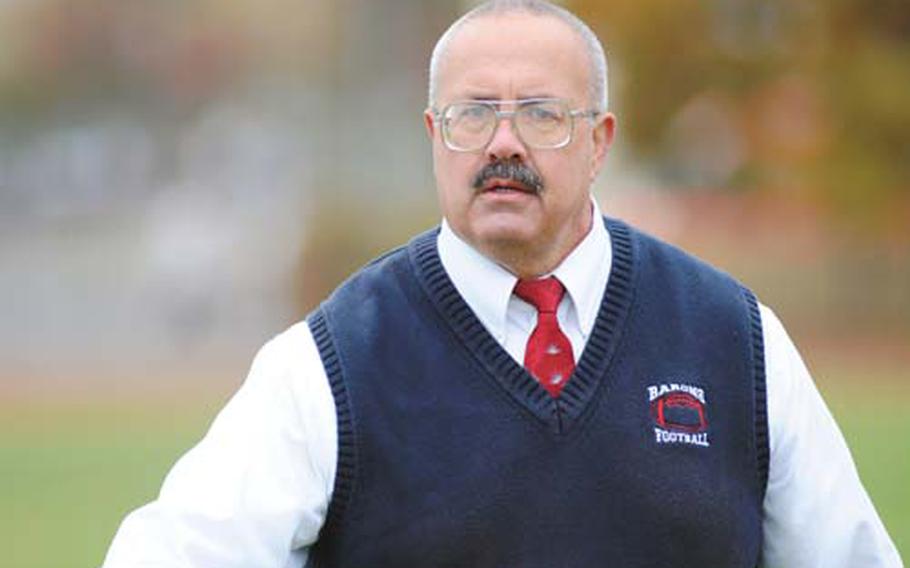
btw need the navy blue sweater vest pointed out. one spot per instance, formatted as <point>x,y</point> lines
<point>451,455</point>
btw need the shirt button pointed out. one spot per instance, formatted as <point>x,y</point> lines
<point>556,379</point>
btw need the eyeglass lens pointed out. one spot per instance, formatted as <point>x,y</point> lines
<point>541,124</point>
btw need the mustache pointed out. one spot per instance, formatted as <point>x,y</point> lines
<point>512,170</point>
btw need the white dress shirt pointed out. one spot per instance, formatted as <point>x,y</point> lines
<point>254,492</point>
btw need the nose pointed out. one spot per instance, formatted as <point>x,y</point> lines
<point>505,144</point>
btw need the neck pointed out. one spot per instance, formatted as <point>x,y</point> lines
<point>527,265</point>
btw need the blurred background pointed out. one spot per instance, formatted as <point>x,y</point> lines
<point>180,181</point>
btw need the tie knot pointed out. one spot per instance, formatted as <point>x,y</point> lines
<point>544,294</point>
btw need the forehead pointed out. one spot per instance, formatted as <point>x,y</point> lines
<point>514,55</point>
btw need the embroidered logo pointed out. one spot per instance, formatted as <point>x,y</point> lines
<point>678,414</point>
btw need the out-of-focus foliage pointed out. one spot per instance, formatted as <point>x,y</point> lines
<point>344,234</point>
<point>141,53</point>
<point>807,97</point>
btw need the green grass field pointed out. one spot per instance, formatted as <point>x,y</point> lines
<point>874,419</point>
<point>69,472</point>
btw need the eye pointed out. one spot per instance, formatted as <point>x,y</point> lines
<point>543,113</point>
<point>469,119</point>
<point>468,112</point>
<point>540,113</point>
<point>543,117</point>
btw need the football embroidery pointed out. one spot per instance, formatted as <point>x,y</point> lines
<point>678,412</point>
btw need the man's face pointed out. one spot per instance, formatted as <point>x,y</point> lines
<point>510,57</point>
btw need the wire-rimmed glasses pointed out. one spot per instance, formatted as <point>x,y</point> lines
<point>468,126</point>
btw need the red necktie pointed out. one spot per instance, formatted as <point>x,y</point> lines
<point>548,355</point>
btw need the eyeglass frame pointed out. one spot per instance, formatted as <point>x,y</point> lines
<point>492,104</point>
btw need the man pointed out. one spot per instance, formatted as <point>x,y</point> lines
<point>527,386</point>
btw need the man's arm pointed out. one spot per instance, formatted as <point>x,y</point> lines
<point>817,513</point>
<point>254,491</point>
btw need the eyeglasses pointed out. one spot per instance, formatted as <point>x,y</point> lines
<point>539,123</point>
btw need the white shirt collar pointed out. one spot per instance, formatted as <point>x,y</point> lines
<point>487,286</point>
<point>585,271</point>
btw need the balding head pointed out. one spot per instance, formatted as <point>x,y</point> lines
<point>597,77</point>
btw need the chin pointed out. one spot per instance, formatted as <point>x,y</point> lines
<point>505,241</point>
<point>503,227</point>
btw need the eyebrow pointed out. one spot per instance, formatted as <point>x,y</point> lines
<point>482,97</point>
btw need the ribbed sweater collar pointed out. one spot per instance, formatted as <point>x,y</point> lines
<point>559,413</point>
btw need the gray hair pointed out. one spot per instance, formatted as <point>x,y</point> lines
<point>597,88</point>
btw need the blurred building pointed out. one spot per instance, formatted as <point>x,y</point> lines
<point>158,164</point>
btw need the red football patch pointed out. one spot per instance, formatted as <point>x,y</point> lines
<point>679,411</point>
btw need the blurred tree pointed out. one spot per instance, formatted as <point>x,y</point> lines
<point>149,55</point>
<point>810,99</point>
<point>343,233</point>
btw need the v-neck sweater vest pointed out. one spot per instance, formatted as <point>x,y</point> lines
<point>450,454</point>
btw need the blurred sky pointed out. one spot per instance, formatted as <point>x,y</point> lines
<point>164,166</point>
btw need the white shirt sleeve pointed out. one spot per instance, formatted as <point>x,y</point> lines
<point>817,514</point>
<point>255,490</point>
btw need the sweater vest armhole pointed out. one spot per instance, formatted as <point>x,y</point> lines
<point>347,455</point>
<point>762,450</point>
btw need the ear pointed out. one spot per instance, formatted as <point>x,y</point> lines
<point>602,133</point>
<point>430,123</point>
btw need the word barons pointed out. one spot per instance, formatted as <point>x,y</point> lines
<point>662,389</point>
